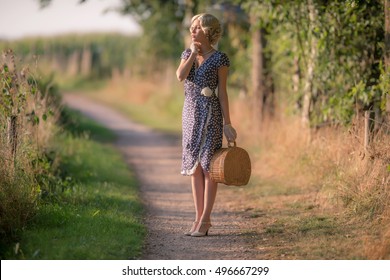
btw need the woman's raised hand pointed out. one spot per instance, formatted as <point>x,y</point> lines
<point>194,48</point>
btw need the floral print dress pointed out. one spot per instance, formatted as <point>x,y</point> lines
<point>202,120</point>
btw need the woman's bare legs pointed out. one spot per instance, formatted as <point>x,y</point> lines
<point>209,197</point>
<point>204,192</point>
<point>198,188</point>
<point>210,192</point>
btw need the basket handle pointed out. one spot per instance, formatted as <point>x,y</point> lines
<point>230,144</point>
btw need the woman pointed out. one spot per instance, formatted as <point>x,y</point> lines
<point>205,114</point>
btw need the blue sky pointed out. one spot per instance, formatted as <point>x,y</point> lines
<point>19,18</point>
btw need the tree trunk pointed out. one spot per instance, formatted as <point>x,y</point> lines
<point>258,79</point>
<point>387,48</point>
<point>269,94</point>
<point>296,76</point>
<point>308,88</point>
<point>296,79</point>
<point>73,64</point>
<point>86,61</point>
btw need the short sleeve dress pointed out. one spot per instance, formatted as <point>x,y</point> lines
<point>202,120</point>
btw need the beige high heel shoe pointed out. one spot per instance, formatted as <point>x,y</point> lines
<point>194,225</point>
<point>203,230</point>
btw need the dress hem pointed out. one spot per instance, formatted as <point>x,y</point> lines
<point>191,171</point>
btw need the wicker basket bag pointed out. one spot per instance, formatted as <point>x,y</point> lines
<point>231,166</point>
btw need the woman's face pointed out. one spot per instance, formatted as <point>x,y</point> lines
<point>197,34</point>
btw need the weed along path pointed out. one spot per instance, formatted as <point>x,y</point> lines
<point>156,157</point>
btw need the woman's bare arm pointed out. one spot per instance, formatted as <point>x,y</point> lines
<point>222,93</point>
<point>185,67</point>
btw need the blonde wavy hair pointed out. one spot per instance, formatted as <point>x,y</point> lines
<point>210,26</point>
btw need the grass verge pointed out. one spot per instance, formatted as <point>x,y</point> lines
<point>96,214</point>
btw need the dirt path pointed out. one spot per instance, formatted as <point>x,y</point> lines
<point>156,159</point>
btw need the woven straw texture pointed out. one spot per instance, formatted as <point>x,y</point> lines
<point>231,166</point>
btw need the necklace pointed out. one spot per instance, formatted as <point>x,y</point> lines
<point>203,54</point>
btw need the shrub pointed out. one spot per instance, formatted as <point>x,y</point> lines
<point>27,116</point>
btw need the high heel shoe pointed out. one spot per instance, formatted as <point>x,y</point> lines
<point>194,226</point>
<point>203,230</point>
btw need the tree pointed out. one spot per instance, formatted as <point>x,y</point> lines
<point>261,18</point>
<point>258,69</point>
<point>311,63</point>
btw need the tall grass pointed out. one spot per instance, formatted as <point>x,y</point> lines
<point>346,181</point>
<point>27,114</point>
